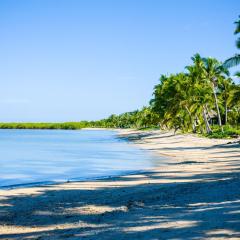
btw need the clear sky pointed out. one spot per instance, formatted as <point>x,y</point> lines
<point>70,60</point>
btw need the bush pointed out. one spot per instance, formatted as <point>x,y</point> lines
<point>228,132</point>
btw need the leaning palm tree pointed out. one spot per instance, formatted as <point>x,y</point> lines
<point>213,72</point>
<point>235,60</point>
<point>228,93</point>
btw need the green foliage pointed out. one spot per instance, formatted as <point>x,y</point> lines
<point>198,98</point>
<point>143,118</point>
<point>64,126</point>
<point>229,132</point>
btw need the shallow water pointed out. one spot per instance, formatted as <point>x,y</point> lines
<point>41,156</point>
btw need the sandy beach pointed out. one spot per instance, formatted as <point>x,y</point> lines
<point>195,196</point>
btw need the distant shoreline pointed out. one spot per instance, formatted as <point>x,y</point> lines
<point>52,126</point>
<point>49,126</point>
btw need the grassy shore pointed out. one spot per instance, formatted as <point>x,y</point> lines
<point>64,126</point>
<point>195,195</point>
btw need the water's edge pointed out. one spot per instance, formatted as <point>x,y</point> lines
<point>75,180</point>
<point>84,179</point>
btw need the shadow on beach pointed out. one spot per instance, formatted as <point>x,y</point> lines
<point>204,208</point>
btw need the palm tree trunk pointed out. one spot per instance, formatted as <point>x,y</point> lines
<point>197,122</point>
<point>192,121</point>
<point>226,113</point>
<point>217,107</point>
<point>207,114</point>
<point>208,128</point>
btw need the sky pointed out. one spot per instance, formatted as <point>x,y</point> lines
<point>71,60</point>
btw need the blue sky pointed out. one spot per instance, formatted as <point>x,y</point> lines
<point>70,60</point>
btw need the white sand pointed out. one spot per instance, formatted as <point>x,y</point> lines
<point>196,196</point>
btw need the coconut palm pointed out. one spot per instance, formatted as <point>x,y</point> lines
<point>213,71</point>
<point>229,93</point>
<point>235,60</point>
<point>200,93</point>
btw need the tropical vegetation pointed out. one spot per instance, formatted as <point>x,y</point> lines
<point>65,126</point>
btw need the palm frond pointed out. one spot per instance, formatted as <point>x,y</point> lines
<point>237,74</point>
<point>232,62</point>
<point>237,30</point>
<point>238,43</point>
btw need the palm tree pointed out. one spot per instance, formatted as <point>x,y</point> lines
<point>213,72</point>
<point>186,100</point>
<point>235,60</point>
<point>228,93</point>
<point>200,91</point>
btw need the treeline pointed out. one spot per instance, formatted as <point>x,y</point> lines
<point>202,99</point>
<point>137,119</point>
<point>64,126</point>
<point>143,118</point>
<point>198,98</point>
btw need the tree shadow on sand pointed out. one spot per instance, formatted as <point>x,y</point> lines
<point>208,206</point>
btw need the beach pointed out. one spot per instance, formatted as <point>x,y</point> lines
<point>195,195</point>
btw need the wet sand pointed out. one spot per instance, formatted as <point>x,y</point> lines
<point>195,196</point>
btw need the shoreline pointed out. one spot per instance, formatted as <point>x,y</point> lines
<point>120,173</point>
<point>93,179</point>
<point>197,195</point>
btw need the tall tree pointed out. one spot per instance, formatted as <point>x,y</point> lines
<point>228,92</point>
<point>235,60</point>
<point>213,71</point>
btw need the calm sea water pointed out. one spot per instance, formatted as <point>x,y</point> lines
<point>39,156</point>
